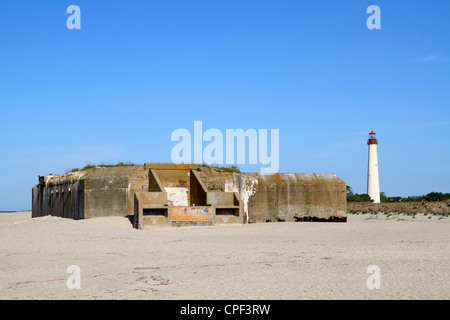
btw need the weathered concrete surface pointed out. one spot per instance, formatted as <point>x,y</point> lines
<point>298,196</point>
<point>282,196</point>
<point>148,191</point>
<point>108,190</point>
<point>92,193</point>
<point>61,196</point>
<point>153,204</point>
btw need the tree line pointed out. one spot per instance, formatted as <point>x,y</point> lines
<point>430,197</point>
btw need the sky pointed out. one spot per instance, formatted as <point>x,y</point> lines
<point>116,89</point>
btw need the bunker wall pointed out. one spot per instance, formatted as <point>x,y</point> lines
<point>109,191</point>
<point>64,198</point>
<point>294,197</point>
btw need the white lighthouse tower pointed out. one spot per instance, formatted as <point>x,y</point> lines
<point>373,184</point>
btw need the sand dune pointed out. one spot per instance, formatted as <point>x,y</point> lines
<point>307,260</point>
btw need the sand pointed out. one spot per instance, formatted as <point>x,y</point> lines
<point>307,260</point>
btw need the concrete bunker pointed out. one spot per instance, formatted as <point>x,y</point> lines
<point>188,194</point>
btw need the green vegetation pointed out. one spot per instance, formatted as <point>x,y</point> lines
<point>354,197</point>
<point>127,164</point>
<point>102,165</point>
<point>222,169</point>
<point>430,197</point>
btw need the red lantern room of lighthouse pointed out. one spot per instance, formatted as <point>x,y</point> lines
<point>372,138</point>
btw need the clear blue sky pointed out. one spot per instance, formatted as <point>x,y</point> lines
<point>137,70</point>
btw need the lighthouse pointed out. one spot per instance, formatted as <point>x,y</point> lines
<point>373,184</point>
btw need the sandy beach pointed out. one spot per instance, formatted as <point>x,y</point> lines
<point>304,260</point>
